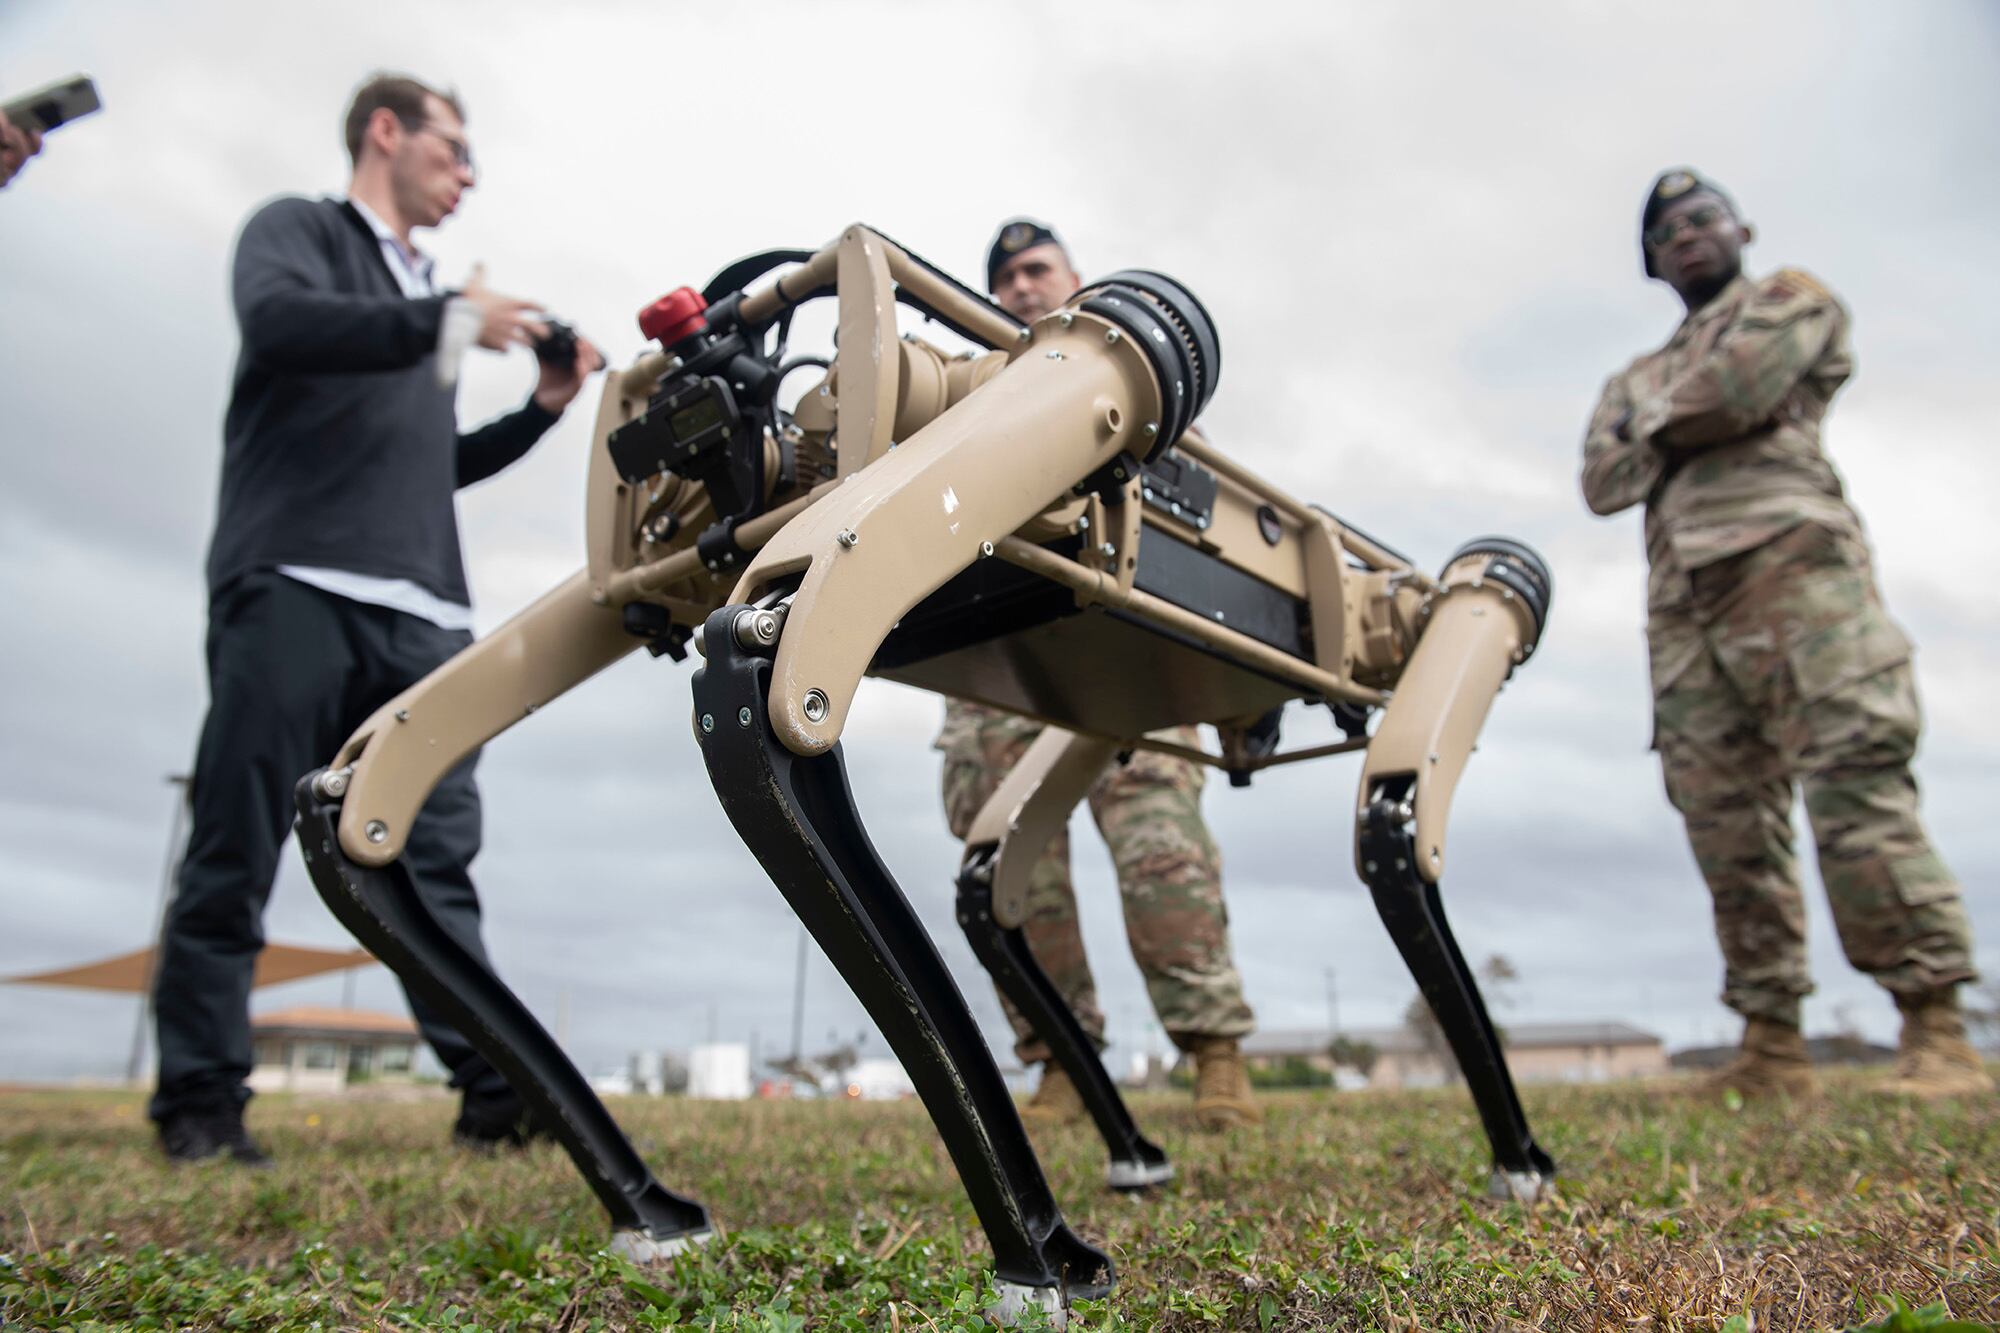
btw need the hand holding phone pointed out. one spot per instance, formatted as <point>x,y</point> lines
<point>25,119</point>
<point>16,147</point>
<point>58,104</point>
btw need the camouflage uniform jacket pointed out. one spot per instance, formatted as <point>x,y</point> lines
<point>1718,431</point>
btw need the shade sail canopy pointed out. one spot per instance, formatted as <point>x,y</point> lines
<point>130,972</point>
<point>319,1020</point>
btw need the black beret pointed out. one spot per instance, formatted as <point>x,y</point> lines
<point>1014,236</point>
<point>1670,186</point>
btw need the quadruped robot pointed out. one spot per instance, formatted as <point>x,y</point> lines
<point>1032,528</point>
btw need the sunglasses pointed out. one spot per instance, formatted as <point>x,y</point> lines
<point>461,151</point>
<point>1660,235</point>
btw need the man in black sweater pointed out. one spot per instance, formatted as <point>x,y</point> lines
<point>335,578</point>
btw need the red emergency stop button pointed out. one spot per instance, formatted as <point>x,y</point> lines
<point>674,316</point>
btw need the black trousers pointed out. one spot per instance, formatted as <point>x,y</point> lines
<point>292,671</point>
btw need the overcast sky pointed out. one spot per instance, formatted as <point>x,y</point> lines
<point>1415,227</point>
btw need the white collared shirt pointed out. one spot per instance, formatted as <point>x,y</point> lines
<point>411,267</point>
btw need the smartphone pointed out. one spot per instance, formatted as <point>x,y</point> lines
<point>58,104</point>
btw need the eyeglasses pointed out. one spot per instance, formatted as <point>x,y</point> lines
<point>1661,235</point>
<point>461,151</point>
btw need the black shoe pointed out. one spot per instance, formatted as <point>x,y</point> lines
<point>215,1129</point>
<point>489,1124</point>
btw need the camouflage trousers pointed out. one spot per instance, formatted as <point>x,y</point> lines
<point>1169,880</point>
<point>1778,668</point>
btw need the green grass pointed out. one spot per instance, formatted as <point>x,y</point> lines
<point>1346,1211</point>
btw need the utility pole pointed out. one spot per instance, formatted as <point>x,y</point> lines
<point>1332,1004</point>
<point>799,1003</point>
<point>135,1066</point>
<point>1125,1033</point>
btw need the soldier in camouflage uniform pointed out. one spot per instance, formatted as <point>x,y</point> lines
<point>1149,811</point>
<point>1774,662</point>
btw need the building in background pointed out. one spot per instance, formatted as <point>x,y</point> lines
<point>1841,1048</point>
<point>326,1050</point>
<point>1407,1058</point>
<point>878,1079</point>
<point>719,1071</point>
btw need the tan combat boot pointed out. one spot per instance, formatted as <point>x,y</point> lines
<point>1056,1101</point>
<point>1222,1085</point>
<point>1934,1059</point>
<point>1772,1063</point>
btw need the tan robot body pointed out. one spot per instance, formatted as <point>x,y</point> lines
<point>1030,528</point>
